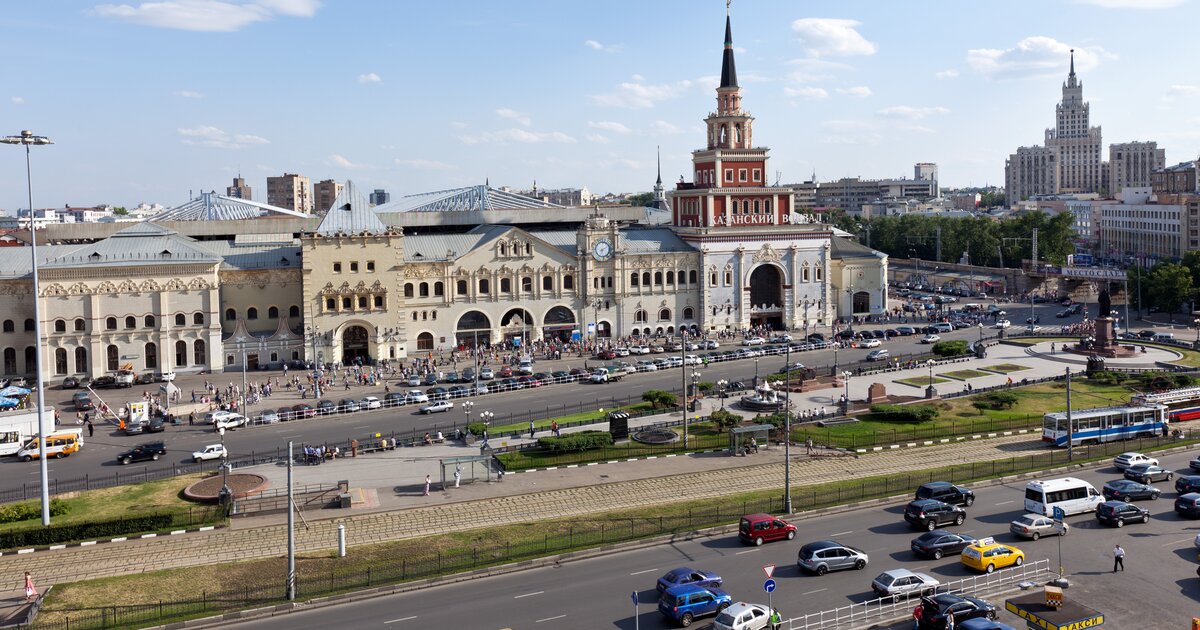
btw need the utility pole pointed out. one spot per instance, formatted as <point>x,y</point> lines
<point>1070,426</point>
<point>939,242</point>
<point>787,432</point>
<point>291,525</point>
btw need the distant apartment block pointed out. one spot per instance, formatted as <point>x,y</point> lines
<point>290,191</point>
<point>1130,164</point>
<point>239,190</point>
<point>380,197</point>
<point>1178,179</point>
<point>324,194</point>
<point>569,197</point>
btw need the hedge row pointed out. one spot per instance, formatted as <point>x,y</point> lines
<point>580,441</point>
<point>950,348</point>
<point>13,512</point>
<point>904,413</point>
<point>56,534</point>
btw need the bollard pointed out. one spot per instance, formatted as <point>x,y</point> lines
<point>341,540</point>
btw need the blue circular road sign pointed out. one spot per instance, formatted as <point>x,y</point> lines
<point>769,586</point>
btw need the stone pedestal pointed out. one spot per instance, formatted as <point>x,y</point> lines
<point>1105,337</point>
<point>876,393</point>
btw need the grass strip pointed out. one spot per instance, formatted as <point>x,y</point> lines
<point>963,375</point>
<point>921,381</point>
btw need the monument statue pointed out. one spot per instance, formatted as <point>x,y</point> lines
<point>1105,304</point>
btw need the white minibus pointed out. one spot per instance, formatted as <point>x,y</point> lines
<point>1074,496</point>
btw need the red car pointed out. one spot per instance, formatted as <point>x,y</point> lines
<point>530,381</point>
<point>607,355</point>
<point>304,411</point>
<point>505,372</point>
<point>755,529</point>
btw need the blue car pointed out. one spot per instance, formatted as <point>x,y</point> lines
<point>684,575</point>
<point>683,604</point>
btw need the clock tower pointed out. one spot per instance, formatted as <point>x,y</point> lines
<point>597,246</point>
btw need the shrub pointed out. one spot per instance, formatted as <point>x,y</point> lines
<point>724,419</point>
<point>580,441</point>
<point>1115,378</point>
<point>904,413</point>
<point>14,512</point>
<point>55,534</point>
<point>658,397</point>
<point>706,386</point>
<point>1183,380</point>
<point>477,428</point>
<point>950,348</point>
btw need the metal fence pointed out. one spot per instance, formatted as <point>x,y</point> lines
<point>875,611</point>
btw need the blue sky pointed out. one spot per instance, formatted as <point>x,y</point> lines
<point>147,101</point>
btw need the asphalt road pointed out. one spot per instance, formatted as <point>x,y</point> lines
<point>98,457</point>
<point>1159,589</point>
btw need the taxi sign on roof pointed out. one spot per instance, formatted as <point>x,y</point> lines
<point>984,542</point>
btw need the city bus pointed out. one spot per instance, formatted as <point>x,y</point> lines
<point>1105,424</point>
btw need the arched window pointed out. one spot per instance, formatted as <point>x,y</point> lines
<point>527,285</point>
<point>10,361</point>
<point>484,285</point>
<point>425,341</point>
<point>664,314</point>
<point>804,275</point>
<point>272,313</point>
<point>378,301</point>
<point>293,311</point>
<point>151,356</point>
<point>439,289</point>
<point>80,324</point>
<point>60,326</point>
<point>547,283</point>
<point>414,313</point>
<point>688,313</point>
<point>130,322</point>
<point>198,319</point>
<point>682,278</point>
<point>230,315</point>
<point>110,323</point>
<point>569,282</point>
<point>767,206</point>
<point>425,315</point>
<point>408,289</point>
<point>657,278</point>
<point>712,279</point>
<point>60,361</point>
<point>252,313</point>
<point>633,279</point>
<point>180,319</point>
<point>460,287</point>
<point>81,362</point>
<point>199,356</point>
<point>150,321</point>
<point>728,278</point>
<point>692,279</point>
<point>31,360</point>
<point>424,287</point>
<point>505,285</point>
<point>330,304</point>
<point>756,208</point>
<point>29,325</point>
<point>820,273</point>
<point>528,249</point>
<point>670,277</point>
<point>8,325</point>
<point>503,249</point>
<point>645,278</point>
<point>181,352</point>
<point>639,316</point>
<point>362,301</point>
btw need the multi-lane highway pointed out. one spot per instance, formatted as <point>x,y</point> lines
<point>1159,589</point>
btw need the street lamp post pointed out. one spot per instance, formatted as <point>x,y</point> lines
<point>313,331</point>
<point>695,390</point>
<point>846,379</point>
<point>930,392</point>
<point>787,431</point>
<point>756,372</point>
<point>28,139</point>
<point>721,385</point>
<point>224,471</point>
<point>467,406</point>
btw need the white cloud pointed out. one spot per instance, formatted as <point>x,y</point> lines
<point>608,125</point>
<point>1133,4</point>
<point>806,92</point>
<point>664,128</point>
<point>458,124</point>
<point>824,37</point>
<point>637,77</point>
<point>205,15</point>
<point>520,117</point>
<point>639,95</point>
<point>597,138</point>
<point>427,165</point>
<point>948,73</point>
<point>858,91</point>
<point>516,135</point>
<point>911,113</point>
<point>369,77</point>
<point>595,45</point>
<point>338,160</point>
<point>1035,56</point>
<point>811,70</point>
<point>209,136</point>
<point>1181,91</point>
<point>17,100</point>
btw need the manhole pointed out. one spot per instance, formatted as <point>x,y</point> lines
<point>655,436</point>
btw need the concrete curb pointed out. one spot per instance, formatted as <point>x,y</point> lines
<point>616,461</point>
<point>89,543</point>
<point>977,436</point>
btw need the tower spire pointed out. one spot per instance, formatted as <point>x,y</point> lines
<point>728,70</point>
<point>658,151</point>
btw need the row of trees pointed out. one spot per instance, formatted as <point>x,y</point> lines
<point>1167,286</point>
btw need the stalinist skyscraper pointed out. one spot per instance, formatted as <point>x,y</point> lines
<point>1080,161</point>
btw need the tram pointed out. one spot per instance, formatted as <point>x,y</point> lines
<point>1182,404</point>
<point>1105,424</point>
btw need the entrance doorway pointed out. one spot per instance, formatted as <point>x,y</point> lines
<point>252,362</point>
<point>355,346</point>
<point>862,303</point>
<point>766,297</point>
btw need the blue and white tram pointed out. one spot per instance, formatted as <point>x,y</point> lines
<point>1105,424</point>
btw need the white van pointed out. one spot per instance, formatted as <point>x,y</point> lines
<point>60,444</point>
<point>942,327</point>
<point>1074,496</point>
<point>1164,337</point>
<point>525,366</point>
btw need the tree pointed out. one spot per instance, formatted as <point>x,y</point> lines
<point>724,419</point>
<point>640,199</point>
<point>1169,285</point>
<point>120,211</point>
<point>990,199</point>
<point>658,397</point>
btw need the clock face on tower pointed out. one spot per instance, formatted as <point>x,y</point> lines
<point>602,249</point>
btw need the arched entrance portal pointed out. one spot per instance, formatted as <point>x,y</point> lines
<point>559,324</point>
<point>862,303</point>
<point>517,323</point>
<point>356,343</point>
<point>473,327</point>
<point>766,297</point>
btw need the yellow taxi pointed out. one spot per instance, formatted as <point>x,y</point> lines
<point>988,555</point>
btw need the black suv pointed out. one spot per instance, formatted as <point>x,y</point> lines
<point>930,514</point>
<point>1117,512</point>
<point>143,452</point>
<point>946,492</point>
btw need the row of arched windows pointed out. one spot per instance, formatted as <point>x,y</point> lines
<point>10,360</point>
<point>10,326</point>
<point>664,315</point>
<point>252,313</point>
<point>424,315</point>
<point>746,206</point>
<point>112,356</point>
<point>79,324</point>
<point>644,279</point>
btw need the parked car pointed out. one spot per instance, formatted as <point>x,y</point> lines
<point>903,582</point>
<point>930,338</point>
<point>1128,490</point>
<point>685,575</point>
<point>230,422</point>
<point>1148,473</point>
<point>1187,483</point>
<point>417,396</point>
<point>743,616</point>
<point>759,528</point>
<point>150,451</point>
<point>935,609</point>
<point>930,514</point>
<point>438,406</point>
<point>104,382</point>
<point>212,451</point>
<point>1188,505</point>
<point>83,402</point>
<point>946,492</point>
<point>1125,460</point>
<point>486,374</point>
<point>1035,526</point>
<point>438,393</point>
<point>753,341</point>
<point>939,542</point>
<point>682,604</point>
<point>1119,512</point>
<point>326,407</point>
<point>370,402</point>
<point>823,556</point>
<point>303,411</point>
<point>268,416</point>
<point>70,382</point>
<point>348,405</point>
<point>459,391</point>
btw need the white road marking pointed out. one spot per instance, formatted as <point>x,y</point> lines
<point>399,620</point>
<point>549,619</point>
<point>1177,542</point>
<point>528,594</point>
<point>746,551</point>
<point>641,572</point>
<point>1005,502</point>
<point>816,591</point>
<point>846,533</point>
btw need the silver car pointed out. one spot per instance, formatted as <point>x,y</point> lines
<point>1035,526</point>
<point>902,583</point>
<point>823,556</point>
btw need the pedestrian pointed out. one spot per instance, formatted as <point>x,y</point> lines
<point>554,428</point>
<point>1118,558</point>
<point>531,429</point>
<point>192,418</point>
<point>950,620</point>
<point>427,482</point>
<point>90,428</point>
<point>776,619</point>
<point>918,612</point>
<point>457,475</point>
<point>30,590</point>
<point>809,445</point>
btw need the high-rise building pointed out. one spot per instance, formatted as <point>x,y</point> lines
<point>290,191</point>
<point>1030,171</point>
<point>927,172</point>
<point>380,197</point>
<point>1080,160</point>
<point>239,190</point>
<point>324,194</point>
<point>1131,163</point>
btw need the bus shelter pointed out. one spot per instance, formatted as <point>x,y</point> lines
<point>469,470</point>
<point>747,439</point>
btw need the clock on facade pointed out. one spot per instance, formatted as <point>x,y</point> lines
<point>602,249</point>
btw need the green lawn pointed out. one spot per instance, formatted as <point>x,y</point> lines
<point>1005,368</point>
<point>701,436</point>
<point>962,375</point>
<point>921,381</point>
<point>154,497</point>
<point>583,416</point>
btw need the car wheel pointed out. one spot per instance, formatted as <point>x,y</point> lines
<point>126,461</point>
<point>990,568</point>
<point>1145,518</point>
<point>1120,522</point>
<point>1020,561</point>
<point>1126,499</point>
<point>822,570</point>
<point>991,615</point>
<point>27,458</point>
<point>196,460</point>
<point>154,457</point>
<point>722,607</point>
<point>1036,536</point>
<point>958,520</point>
<point>791,535</point>
<point>758,541</point>
<point>970,500</point>
<point>1154,496</point>
<point>860,564</point>
<point>937,554</point>
<point>1170,476</point>
<point>930,526</point>
<point>685,620</point>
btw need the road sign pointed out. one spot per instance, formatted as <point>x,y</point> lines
<point>634,597</point>
<point>1059,514</point>
<point>769,570</point>
<point>769,586</point>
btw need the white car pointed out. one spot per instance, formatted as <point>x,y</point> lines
<point>870,343</point>
<point>621,352</point>
<point>416,396</point>
<point>930,339</point>
<point>212,451</point>
<point>743,616</point>
<point>902,583</point>
<point>754,341</point>
<point>1125,460</point>
<point>784,338</point>
<point>434,407</point>
<point>646,366</point>
<point>640,350</point>
<point>166,377</point>
<point>1002,323</point>
<point>692,345</point>
<point>230,422</point>
<point>711,344</point>
<point>692,359</point>
<point>370,402</point>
